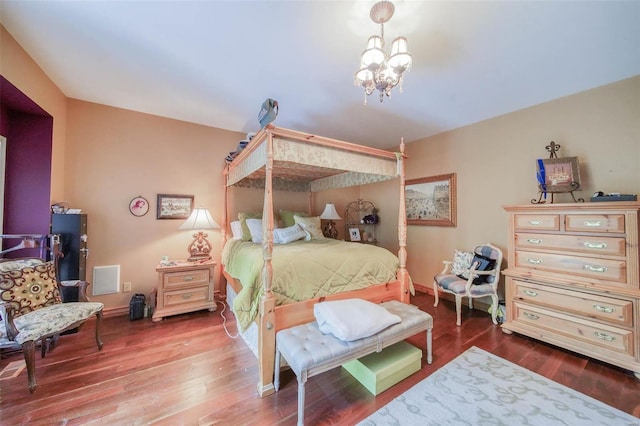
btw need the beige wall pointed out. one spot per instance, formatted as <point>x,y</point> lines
<point>495,165</point>
<point>19,69</point>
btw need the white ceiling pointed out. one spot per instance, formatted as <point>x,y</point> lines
<point>215,62</point>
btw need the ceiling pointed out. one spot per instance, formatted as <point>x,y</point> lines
<point>215,62</point>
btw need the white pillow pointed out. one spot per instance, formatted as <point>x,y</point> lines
<point>352,319</point>
<point>236,230</point>
<point>310,225</point>
<point>288,235</point>
<point>255,228</point>
<point>461,261</point>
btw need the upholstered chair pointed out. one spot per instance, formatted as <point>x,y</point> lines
<point>32,310</point>
<point>473,275</point>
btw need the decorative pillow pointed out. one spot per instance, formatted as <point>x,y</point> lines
<point>255,228</point>
<point>483,264</point>
<point>288,235</point>
<point>352,319</point>
<point>30,288</point>
<point>461,261</point>
<point>286,216</point>
<point>236,230</point>
<point>242,217</point>
<point>311,226</point>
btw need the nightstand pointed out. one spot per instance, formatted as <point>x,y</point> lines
<point>184,287</point>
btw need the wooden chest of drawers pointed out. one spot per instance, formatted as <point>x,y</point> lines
<point>184,287</point>
<point>573,278</point>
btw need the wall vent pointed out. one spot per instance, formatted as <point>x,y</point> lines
<point>106,279</point>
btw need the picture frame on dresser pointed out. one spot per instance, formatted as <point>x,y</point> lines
<point>174,206</point>
<point>431,200</point>
<point>560,174</point>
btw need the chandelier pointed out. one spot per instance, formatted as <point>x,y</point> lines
<point>379,71</point>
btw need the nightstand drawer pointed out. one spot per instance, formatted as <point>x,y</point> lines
<point>186,297</point>
<point>595,223</point>
<point>593,333</point>
<point>615,246</point>
<point>615,311</point>
<point>547,222</point>
<point>176,280</point>
<point>602,269</point>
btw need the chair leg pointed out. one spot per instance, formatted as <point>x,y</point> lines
<point>458,309</point>
<point>30,359</point>
<point>98,329</point>
<point>494,311</point>
<point>435,294</point>
<point>470,302</point>
<point>43,347</point>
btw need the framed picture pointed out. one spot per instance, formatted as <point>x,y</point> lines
<point>354,234</point>
<point>172,206</point>
<point>139,206</point>
<point>559,174</point>
<point>431,200</point>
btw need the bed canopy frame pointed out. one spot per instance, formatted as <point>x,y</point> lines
<point>283,159</point>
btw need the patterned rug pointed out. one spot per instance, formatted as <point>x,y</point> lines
<point>479,388</point>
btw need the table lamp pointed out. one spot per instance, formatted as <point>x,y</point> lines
<point>330,214</point>
<point>200,247</point>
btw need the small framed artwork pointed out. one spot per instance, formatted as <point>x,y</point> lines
<point>560,174</point>
<point>354,234</point>
<point>431,200</point>
<point>139,206</point>
<point>173,206</point>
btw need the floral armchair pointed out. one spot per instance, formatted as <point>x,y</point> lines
<point>473,275</point>
<point>32,310</point>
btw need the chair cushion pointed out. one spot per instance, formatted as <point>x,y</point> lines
<point>53,319</point>
<point>451,283</point>
<point>29,288</point>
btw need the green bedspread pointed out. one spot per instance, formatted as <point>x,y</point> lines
<point>304,270</point>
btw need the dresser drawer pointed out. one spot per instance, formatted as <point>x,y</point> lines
<point>602,269</point>
<point>594,223</point>
<point>183,279</point>
<point>547,222</point>
<point>580,244</point>
<point>173,299</point>
<point>612,338</point>
<point>615,311</point>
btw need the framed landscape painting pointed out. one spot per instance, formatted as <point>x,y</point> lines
<point>431,200</point>
<point>173,206</point>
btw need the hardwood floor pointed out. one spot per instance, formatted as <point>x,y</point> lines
<point>186,371</point>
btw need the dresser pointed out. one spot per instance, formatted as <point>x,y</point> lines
<point>573,278</point>
<point>184,287</point>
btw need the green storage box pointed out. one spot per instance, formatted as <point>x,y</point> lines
<point>381,370</point>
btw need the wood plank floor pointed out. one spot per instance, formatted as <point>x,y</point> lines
<point>186,371</point>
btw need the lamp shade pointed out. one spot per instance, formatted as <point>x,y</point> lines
<point>330,212</point>
<point>200,218</point>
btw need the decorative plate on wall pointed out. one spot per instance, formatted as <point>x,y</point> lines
<point>139,206</point>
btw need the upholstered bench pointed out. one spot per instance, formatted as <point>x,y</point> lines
<point>309,352</point>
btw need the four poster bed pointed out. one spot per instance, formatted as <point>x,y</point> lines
<point>282,159</point>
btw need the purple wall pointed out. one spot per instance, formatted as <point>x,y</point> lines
<point>29,132</point>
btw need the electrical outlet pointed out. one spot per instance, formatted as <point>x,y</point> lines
<point>126,287</point>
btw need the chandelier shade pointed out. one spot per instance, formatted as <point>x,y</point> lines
<point>379,71</point>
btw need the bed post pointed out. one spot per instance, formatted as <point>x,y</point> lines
<point>403,275</point>
<point>267,334</point>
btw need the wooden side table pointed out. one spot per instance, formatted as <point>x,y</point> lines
<point>184,287</point>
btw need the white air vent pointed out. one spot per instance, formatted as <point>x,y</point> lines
<point>106,279</point>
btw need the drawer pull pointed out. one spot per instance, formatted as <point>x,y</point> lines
<point>604,336</point>
<point>535,222</point>
<point>531,293</point>
<point>595,245</point>
<point>534,240</point>
<point>535,261</point>
<point>531,316</point>
<point>188,278</point>
<point>186,296</point>
<point>595,268</point>
<point>606,309</point>
<point>592,224</point>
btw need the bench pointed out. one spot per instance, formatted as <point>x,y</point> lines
<point>310,352</point>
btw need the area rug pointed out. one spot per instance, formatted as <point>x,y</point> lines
<point>479,388</point>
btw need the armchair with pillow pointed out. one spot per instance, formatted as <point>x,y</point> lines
<point>473,275</point>
<point>31,309</point>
